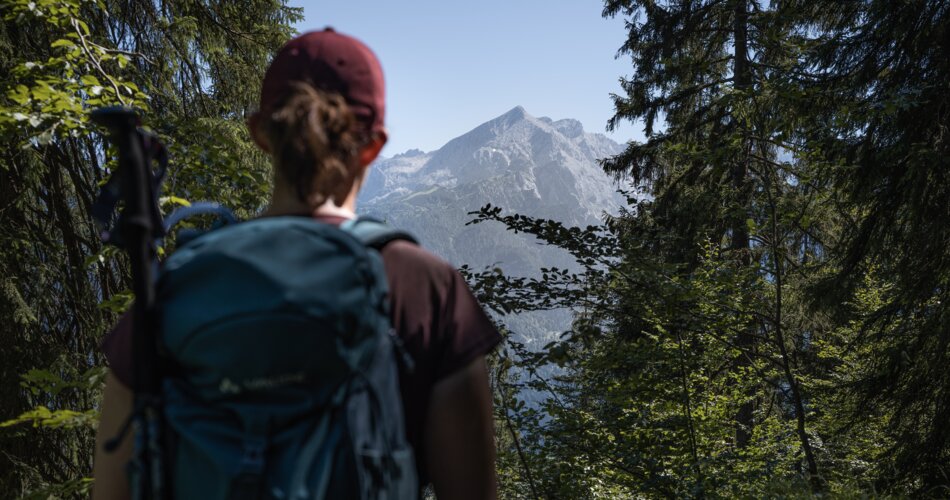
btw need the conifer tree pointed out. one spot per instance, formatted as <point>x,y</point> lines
<point>878,77</point>
<point>774,315</point>
<point>706,69</point>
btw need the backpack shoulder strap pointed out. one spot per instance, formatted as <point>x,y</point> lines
<point>374,233</point>
<point>222,215</point>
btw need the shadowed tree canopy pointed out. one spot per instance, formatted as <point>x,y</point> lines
<point>194,68</point>
<point>772,317</point>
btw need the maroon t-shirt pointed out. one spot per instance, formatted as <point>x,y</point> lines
<point>433,311</point>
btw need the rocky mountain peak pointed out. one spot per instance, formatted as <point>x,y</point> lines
<point>569,127</point>
<point>515,113</point>
<point>410,153</point>
<point>540,161</point>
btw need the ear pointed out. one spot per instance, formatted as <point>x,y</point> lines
<point>253,126</point>
<point>371,149</point>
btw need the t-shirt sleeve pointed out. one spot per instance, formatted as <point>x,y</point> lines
<point>434,311</point>
<point>442,326</point>
<point>117,348</point>
<point>466,331</point>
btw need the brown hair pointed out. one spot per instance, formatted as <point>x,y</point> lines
<point>314,139</point>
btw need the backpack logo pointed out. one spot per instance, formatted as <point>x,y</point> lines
<point>228,386</point>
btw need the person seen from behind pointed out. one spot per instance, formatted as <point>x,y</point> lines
<point>321,120</point>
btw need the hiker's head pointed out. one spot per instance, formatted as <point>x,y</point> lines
<point>321,116</point>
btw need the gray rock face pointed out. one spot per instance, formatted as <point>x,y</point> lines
<point>532,166</point>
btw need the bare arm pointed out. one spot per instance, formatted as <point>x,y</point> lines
<point>460,439</point>
<point>109,469</point>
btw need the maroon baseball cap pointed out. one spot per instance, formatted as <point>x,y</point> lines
<point>332,62</point>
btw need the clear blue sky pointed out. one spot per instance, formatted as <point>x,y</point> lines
<point>452,65</point>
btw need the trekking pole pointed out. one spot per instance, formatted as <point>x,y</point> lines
<point>135,183</point>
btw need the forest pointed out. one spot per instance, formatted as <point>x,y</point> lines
<point>768,316</point>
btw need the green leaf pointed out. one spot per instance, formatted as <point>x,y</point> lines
<point>119,302</point>
<point>42,416</point>
<point>83,26</point>
<point>174,200</point>
<point>41,92</point>
<point>20,95</point>
<point>89,80</point>
<point>73,488</point>
<point>62,42</point>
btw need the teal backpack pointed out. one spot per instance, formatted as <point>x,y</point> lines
<point>282,377</point>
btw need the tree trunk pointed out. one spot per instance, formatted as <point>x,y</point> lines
<point>739,246</point>
<point>794,386</point>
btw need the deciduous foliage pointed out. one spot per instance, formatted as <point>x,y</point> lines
<point>194,68</point>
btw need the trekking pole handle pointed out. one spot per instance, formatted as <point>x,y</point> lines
<point>136,227</point>
<point>138,224</point>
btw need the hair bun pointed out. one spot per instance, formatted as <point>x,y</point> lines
<point>314,139</point>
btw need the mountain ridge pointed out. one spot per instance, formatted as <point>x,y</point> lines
<point>515,145</point>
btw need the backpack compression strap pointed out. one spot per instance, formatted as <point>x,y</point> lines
<point>377,234</point>
<point>374,233</point>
